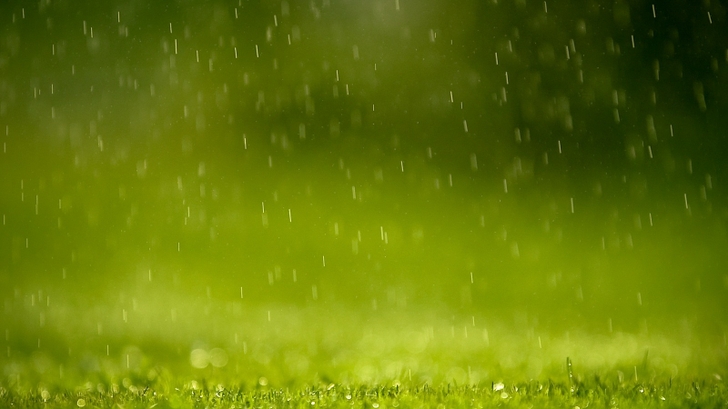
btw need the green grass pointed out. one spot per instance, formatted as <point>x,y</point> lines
<point>337,357</point>
<point>174,393</point>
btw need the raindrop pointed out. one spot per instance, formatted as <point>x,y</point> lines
<point>218,357</point>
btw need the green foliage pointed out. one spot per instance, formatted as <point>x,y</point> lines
<point>165,393</point>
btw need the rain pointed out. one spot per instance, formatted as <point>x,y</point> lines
<point>276,192</point>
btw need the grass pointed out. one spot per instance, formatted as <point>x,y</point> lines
<point>172,393</point>
<point>283,357</point>
<point>228,354</point>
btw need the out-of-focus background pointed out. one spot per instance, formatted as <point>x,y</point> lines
<point>362,190</point>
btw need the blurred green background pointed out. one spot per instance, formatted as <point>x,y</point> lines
<point>361,190</point>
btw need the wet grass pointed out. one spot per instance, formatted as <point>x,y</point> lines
<point>176,393</point>
<point>236,356</point>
